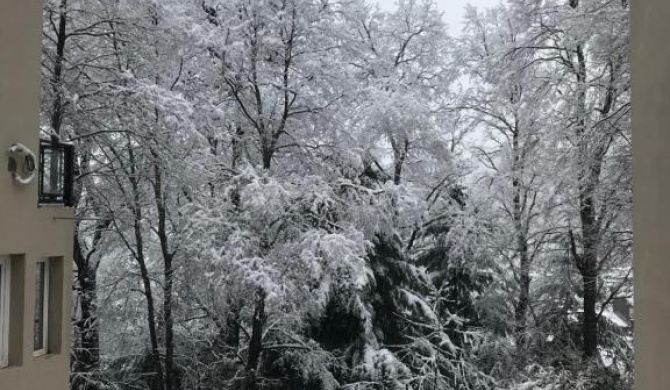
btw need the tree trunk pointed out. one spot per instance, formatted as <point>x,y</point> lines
<point>168,324</point>
<point>232,337</point>
<point>159,199</point>
<point>397,171</point>
<point>589,166</point>
<point>57,108</point>
<point>589,266</point>
<point>399,156</point>
<point>86,364</point>
<point>144,272</point>
<point>521,309</point>
<point>589,259</point>
<point>151,315</point>
<point>590,328</point>
<point>237,146</point>
<point>57,105</point>
<point>256,342</point>
<point>86,341</point>
<point>267,152</point>
<point>258,321</point>
<point>167,273</point>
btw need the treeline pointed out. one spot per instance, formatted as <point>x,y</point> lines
<point>317,194</point>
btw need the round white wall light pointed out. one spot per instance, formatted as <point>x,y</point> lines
<point>22,163</point>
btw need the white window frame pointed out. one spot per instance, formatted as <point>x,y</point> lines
<point>45,314</point>
<point>5,290</point>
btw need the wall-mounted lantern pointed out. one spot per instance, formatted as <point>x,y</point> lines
<point>22,163</point>
<point>56,173</point>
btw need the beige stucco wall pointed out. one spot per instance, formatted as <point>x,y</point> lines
<point>26,231</point>
<point>651,143</point>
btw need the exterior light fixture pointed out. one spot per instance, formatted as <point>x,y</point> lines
<point>22,163</point>
<point>56,173</point>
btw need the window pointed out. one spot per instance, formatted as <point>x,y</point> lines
<point>56,173</point>
<point>4,310</point>
<point>41,329</point>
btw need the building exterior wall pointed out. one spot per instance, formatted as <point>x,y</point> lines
<point>29,232</point>
<point>651,177</point>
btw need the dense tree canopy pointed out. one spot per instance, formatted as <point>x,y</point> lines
<point>318,194</point>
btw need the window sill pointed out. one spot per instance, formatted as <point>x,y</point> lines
<point>40,353</point>
<point>58,205</point>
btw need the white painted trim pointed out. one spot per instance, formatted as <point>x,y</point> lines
<point>45,311</point>
<point>5,290</point>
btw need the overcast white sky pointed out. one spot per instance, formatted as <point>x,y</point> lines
<point>453,10</point>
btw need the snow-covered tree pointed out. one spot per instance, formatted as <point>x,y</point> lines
<point>322,194</point>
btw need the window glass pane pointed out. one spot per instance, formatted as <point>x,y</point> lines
<point>3,316</point>
<point>4,310</point>
<point>40,280</point>
<point>55,183</point>
<point>46,172</point>
<point>2,286</point>
<point>52,172</point>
